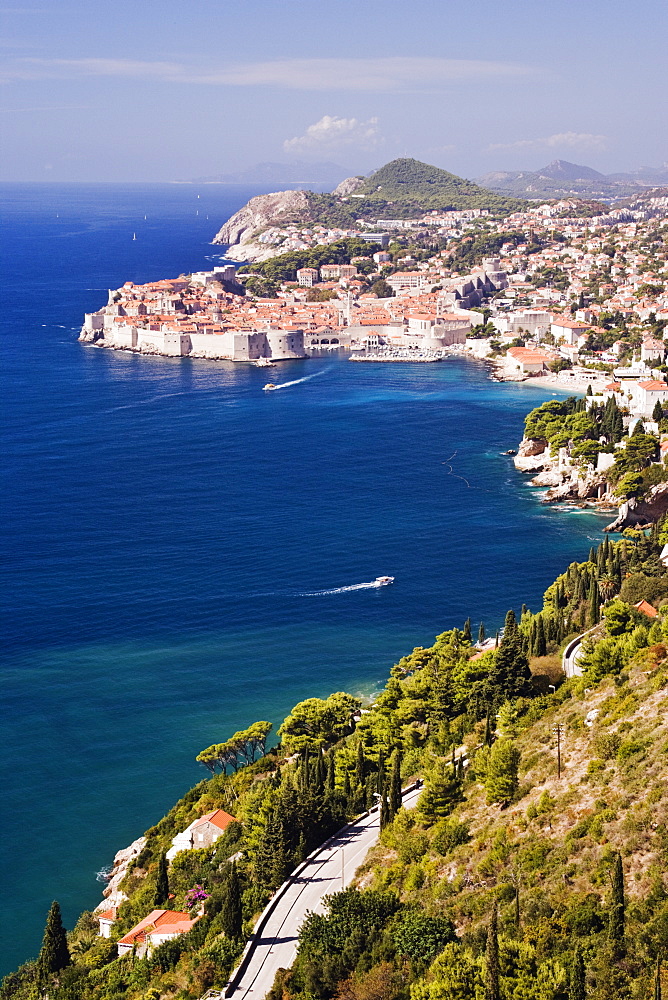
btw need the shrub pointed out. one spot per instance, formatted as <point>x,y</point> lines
<point>607,745</point>
<point>448,834</point>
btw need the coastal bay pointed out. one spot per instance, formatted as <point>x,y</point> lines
<point>173,532</point>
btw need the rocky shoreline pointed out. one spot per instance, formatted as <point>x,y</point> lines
<point>565,484</point>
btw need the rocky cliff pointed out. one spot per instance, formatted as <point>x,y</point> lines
<point>636,513</point>
<point>348,186</point>
<point>258,214</point>
<point>563,480</point>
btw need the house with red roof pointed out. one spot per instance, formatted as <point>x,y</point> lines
<point>202,832</point>
<point>106,921</point>
<point>159,926</point>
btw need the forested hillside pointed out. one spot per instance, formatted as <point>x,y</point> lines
<point>532,868</point>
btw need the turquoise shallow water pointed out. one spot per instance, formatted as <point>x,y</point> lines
<point>170,531</point>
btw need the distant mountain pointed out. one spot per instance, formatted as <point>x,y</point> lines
<point>280,173</point>
<point>561,178</point>
<point>560,170</point>
<point>644,175</point>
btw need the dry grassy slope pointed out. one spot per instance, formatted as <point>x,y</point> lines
<point>624,797</point>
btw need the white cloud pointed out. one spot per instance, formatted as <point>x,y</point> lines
<point>331,134</point>
<point>397,73</point>
<point>560,140</point>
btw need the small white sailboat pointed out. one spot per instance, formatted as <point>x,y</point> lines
<point>134,237</point>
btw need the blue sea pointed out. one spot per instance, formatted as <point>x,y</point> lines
<point>182,550</point>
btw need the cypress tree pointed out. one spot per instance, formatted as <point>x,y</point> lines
<point>370,791</point>
<point>592,555</point>
<point>161,894</point>
<point>540,645</point>
<point>488,731</point>
<point>360,765</point>
<point>492,987</point>
<point>54,954</point>
<point>481,633</point>
<point>330,781</point>
<point>385,817</point>
<point>657,980</point>
<point>594,604</point>
<point>466,634</point>
<point>380,777</point>
<point>231,915</point>
<point>657,412</point>
<point>576,987</point>
<point>394,798</point>
<point>617,914</point>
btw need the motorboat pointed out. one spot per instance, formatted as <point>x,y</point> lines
<point>270,385</point>
<point>264,363</point>
<point>383,581</point>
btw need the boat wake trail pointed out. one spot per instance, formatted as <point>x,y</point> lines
<point>344,590</point>
<point>284,385</point>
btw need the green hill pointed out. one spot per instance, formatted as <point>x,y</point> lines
<point>409,184</point>
<point>518,877</point>
<point>403,189</point>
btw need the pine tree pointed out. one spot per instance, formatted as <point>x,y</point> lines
<point>492,986</point>
<point>510,672</point>
<point>502,775</point>
<point>576,989</point>
<point>161,894</point>
<point>231,915</point>
<point>54,955</point>
<point>394,796</point>
<point>617,916</point>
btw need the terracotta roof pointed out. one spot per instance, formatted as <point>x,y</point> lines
<point>646,609</point>
<point>108,914</point>
<point>173,921</point>
<point>218,817</point>
<point>653,385</point>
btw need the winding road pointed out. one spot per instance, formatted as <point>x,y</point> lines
<point>328,870</point>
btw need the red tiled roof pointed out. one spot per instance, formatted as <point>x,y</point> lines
<point>218,817</point>
<point>646,609</point>
<point>173,920</point>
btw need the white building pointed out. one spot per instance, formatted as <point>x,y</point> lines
<point>202,832</point>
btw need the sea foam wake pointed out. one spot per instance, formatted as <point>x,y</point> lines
<point>307,378</point>
<point>344,590</point>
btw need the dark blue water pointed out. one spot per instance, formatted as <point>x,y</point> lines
<point>168,528</point>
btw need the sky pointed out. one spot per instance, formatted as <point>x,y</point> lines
<point>141,90</point>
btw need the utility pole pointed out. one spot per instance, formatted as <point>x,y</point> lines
<point>558,732</point>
